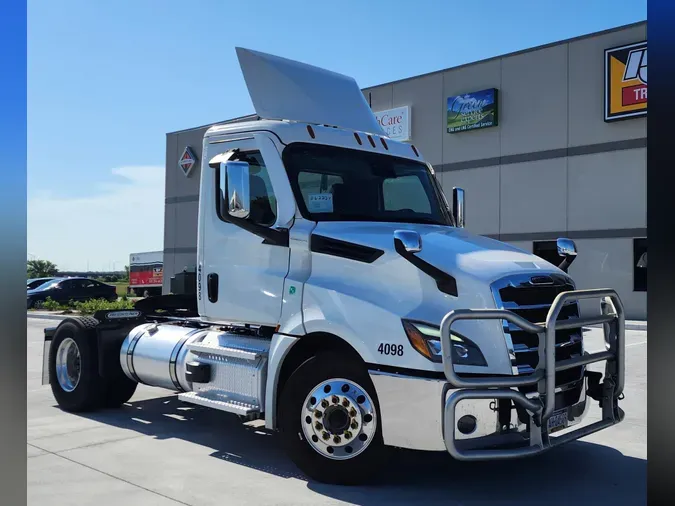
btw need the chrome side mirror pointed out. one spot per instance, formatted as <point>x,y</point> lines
<point>458,206</point>
<point>235,188</point>
<point>568,251</point>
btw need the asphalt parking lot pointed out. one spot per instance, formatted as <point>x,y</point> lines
<point>157,451</point>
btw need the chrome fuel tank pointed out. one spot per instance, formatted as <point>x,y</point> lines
<point>156,355</point>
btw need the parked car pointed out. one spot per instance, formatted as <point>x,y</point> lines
<point>63,290</point>
<point>35,282</point>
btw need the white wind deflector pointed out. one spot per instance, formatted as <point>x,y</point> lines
<point>290,90</point>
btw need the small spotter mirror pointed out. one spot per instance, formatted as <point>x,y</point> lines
<point>409,240</point>
<point>568,251</point>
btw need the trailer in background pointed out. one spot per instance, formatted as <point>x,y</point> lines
<point>146,273</point>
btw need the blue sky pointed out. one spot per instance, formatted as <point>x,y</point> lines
<point>108,80</point>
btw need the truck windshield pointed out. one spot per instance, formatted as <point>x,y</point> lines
<point>340,184</point>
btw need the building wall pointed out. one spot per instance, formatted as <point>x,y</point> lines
<point>551,168</point>
<point>181,204</point>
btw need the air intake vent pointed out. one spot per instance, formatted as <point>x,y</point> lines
<point>343,249</point>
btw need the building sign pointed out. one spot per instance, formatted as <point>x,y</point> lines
<point>626,81</point>
<point>395,122</point>
<point>471,111</point>
<point>187,161</point>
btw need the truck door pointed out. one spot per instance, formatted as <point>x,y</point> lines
<point>241,272</point>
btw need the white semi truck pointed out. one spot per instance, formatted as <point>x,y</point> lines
<point>340,300</point>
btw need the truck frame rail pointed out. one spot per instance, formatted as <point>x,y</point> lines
<point>542,407</point>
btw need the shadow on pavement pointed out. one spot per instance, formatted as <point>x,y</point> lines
<point>578,473</point>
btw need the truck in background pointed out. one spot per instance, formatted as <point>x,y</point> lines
<point>340,299</point>
<point>146,273</point>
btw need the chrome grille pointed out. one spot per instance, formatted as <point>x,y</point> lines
<point>531,296</point>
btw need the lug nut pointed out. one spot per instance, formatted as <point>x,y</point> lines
<point>352,413</point>
<point>345,403</point>
<point>318,414</point>
<point>335,400</point>
<point>347,434</point>
<point>324,403</point>
<point>354,425</point>
<point>336,439</point>
<point>325,435</point>
<point>318,426</point>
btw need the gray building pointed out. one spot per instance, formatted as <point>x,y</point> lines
<point>547,142</point>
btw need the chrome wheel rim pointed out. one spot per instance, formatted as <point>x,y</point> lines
<point>339,419</point>
<point>68,365</point>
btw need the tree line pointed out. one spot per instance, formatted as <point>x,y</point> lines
<point>47,269</point>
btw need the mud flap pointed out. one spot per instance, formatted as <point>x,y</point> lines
<point>45,362</point>
<point>49,335</point>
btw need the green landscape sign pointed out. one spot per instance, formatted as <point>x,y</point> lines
<point>471,111</point>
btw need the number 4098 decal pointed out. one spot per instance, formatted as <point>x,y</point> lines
<point>390,349</point>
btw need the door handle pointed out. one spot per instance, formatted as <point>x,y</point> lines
<point>212,287</point>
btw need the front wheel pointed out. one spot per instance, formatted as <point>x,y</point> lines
<point>329,421</point>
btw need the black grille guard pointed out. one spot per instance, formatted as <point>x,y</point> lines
<point>502,387</point>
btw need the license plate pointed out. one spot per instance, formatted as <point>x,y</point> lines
<point>558,421</point>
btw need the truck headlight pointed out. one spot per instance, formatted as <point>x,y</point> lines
<point>426,339</point>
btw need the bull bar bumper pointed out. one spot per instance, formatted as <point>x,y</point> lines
<point>542,407</point>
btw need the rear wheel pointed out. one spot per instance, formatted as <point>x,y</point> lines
<point>73,366</point>
<point>329,421</point>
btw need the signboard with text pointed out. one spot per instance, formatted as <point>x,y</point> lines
<point>471,111</point>
<point>146,269</point>
<point>395,122</point>
<point>626,81</point>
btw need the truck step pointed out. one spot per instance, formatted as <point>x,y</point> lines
<point>230,406</point>
<point>225,351</point>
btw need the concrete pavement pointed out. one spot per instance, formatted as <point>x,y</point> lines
<point>156,451</point>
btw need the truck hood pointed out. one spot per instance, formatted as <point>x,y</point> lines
<point>452,250</point>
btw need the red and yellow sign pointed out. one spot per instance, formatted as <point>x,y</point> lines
<point>626,81</point>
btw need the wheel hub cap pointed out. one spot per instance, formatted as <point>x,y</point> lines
<point>68,365</point>
<point>339,419</point>
<point>336,419</point>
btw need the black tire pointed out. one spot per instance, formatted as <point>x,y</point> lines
<point>86,395</point>
<point>118,392</point>
<point>357,470</point>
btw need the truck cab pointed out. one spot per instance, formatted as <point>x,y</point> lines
<point>341,300</point>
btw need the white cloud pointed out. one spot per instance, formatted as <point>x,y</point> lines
<point>101,228</point>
